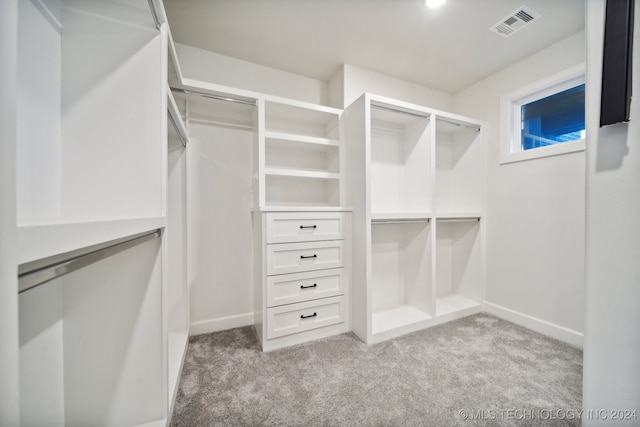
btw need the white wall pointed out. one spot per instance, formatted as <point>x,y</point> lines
<point>534,210</point>
<point>612,336</point>
<point>199,64</point>
<point>357,81</point>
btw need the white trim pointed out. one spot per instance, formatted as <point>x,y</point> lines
<point>544,327</point>
<point>510,104</point>
<point>221,324</point>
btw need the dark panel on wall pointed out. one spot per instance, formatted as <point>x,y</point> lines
<point>617,62</point>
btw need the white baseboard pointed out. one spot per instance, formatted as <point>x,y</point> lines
<point>221,324</point>
<point>561,333</point>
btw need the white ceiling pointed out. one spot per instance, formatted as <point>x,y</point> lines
<point>448,48</point>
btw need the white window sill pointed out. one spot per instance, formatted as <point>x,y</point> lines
<point>537,153</point>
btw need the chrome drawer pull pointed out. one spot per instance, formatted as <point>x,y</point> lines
<point>302,316</point>
<point>302,227</point>
<point>315,285</point>
<point>309,256</point>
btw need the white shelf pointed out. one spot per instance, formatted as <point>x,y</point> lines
<point>302,139</point>
<point>453,304</point>
<point>43,241</point>
<point>396,318</point>
<point>301,173</point>
<point>286,208</point>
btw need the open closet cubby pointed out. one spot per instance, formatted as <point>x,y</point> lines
<point>411,172</point>
<point>400,175</point>
<point>400,274</point>
<point>459,272</point>
<point>89,127</point>
<point>80,364</point>
<point>301,155</point>
<point>458,159</point>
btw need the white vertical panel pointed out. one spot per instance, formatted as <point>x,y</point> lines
<point>42,356</point>
<point>612,341</point>
<point>220,239</point>
<point>39,150</point>
<point>9,359</point>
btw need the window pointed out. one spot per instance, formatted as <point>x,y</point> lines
<point>544,119</point>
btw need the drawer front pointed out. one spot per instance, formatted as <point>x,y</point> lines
<point>305,226</point>
<point>304,316</point>
<point>300,257</point>
<point>298,287</point>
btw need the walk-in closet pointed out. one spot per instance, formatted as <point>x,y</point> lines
<point>299,173</point>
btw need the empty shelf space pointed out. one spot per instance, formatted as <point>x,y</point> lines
<point>299,119</point>
<point>453,304</point>
<point>301,188</point>
<point>397,317</point>
<point>301,139</point>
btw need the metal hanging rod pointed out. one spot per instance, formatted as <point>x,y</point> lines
<point>218,97</point>
<point>183,137</point>
<point>400,221</point>
<point>460,125</point>
<point>42,275</point>
<point>154,14</point>
<point>394,110</point>
<point>475,218</point>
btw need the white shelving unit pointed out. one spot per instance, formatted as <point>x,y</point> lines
<point>102,343</point>
<point>411,172</point>
<point>301,229</point>
<point>299,155</point>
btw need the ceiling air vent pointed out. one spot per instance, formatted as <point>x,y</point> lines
<point>515,21</point>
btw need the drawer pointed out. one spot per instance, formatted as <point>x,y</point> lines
<point>298,287</point>
<point>298,257</point>
<point>304,316</point>
<point>305,226</point>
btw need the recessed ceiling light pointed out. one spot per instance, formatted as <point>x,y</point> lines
<point>435,3</point>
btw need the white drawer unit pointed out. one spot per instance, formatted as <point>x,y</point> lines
<point>305,226</point>
<point>304,316</point>
<point>302,284</point>
<point>298,257</point>
<point>298,287</point>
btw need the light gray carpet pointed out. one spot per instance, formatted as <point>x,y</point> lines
<point>498,372</point>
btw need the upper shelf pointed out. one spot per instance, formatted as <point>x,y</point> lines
<point>216,108</point>
<point>305,121</point>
